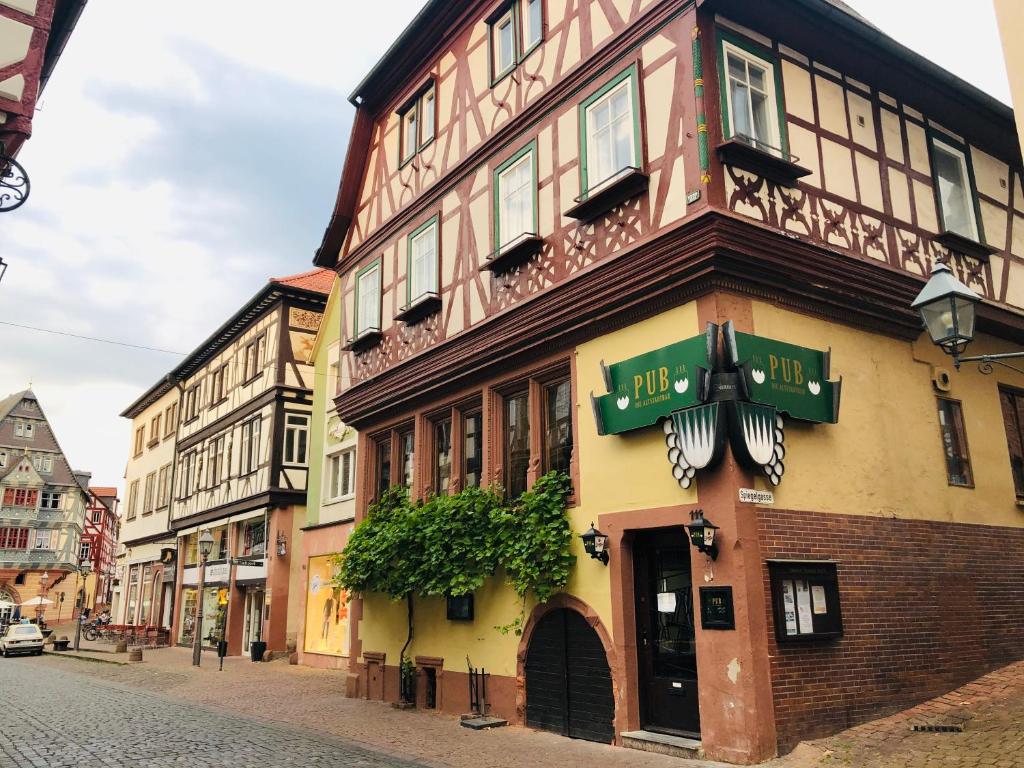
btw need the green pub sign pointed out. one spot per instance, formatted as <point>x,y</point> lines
<point>651,386</point>
<point>793,379</point>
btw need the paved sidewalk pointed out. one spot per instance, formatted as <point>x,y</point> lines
<point>991,711</point>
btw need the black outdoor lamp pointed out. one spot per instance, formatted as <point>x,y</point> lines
<point>948,309</point>
<point>596,544</point>
<point>702,534</point>
<point>205,544</point>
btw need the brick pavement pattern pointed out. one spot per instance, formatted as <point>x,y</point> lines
<point>990,710</point>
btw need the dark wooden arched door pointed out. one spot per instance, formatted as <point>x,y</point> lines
<point>568,682</point>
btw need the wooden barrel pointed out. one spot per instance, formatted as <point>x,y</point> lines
<point>135,654</point>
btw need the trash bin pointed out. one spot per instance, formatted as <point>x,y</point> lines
<point>256,650</point>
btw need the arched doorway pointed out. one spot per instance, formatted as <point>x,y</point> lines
<point>568,681</point>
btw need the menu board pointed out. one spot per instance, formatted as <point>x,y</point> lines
<point>805,596</point>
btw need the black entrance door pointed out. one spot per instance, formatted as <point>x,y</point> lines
<point>568,683</point>
<point>665,633</point>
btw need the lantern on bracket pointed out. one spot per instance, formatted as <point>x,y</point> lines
<point>702,534</point>
<point>596,544</point>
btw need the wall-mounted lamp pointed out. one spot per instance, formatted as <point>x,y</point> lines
<point>596,544</point>
<point>702,534</point>
<point>282,544</point>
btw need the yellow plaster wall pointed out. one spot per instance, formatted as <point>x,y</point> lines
<point>617,473</point>
<point>885,456</point>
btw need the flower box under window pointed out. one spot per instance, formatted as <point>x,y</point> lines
<point>426,305</point>
<point>771,163</point>
<point>366,340</point>
<point>514,253</point>
<point>965,245</point>
<point>595,202</point>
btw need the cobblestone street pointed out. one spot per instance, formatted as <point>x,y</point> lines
<point>57,719</point>
<point>88,714</point>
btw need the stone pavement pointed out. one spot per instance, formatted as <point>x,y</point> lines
<point>990,711</point>
<point>212,710</point>
<point>288,700</point>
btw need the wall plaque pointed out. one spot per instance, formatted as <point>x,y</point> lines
<point>716,608</point>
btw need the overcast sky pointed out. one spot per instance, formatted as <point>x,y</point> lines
<point>186,151</point>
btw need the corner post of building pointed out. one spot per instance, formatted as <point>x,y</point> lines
<point>736,710</point>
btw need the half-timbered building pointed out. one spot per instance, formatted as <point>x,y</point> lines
<point>617,237</point>
<point>42,511</point>
<point>33,34</point>
<point>97,548</point>
<point>241,464</point>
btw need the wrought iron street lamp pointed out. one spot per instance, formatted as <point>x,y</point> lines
<point>702,534</point>
<point>205,548</point>
<point>595,544</point>
<point>14,182</point>
<point>948,309</point>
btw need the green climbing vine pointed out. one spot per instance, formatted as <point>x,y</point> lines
<point>449,545</point>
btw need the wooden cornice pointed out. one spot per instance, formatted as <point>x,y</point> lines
<point>714,251</point>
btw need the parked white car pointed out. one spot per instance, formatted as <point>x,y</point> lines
<point>22,638</point>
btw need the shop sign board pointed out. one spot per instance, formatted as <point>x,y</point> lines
<point>793,379</point>
<point>218,572</point>
<point>651,386</point>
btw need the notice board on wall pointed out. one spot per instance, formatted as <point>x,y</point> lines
<point>805,600</point>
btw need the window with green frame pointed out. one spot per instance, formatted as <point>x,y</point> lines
<point>368,298</point>
<point>610,139</point>
<point>953,176</point>
<point>422,273</point>
<point>417,122</point>
<point>751,87</point>
<point>515,29</point>
<point>515,197</point>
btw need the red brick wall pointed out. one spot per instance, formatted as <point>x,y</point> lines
<point>926,606</point>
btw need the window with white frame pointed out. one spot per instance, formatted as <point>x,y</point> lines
<point>43,464</point>
<point>954,190</point>
<point>216,461</point>
<point>368,286</point>
<point>23,428</point>
<point>133,499</point>
<point>188,474</point>
<point>84,550</point>
<point>254,358</point>
<point>45,539</point>
<point>516,197</point>
<point>515,29</point>
<point>418,120</point>
<point>50,500</point>
<point>296,439</point>
<point>423,261</point>
<point>163,487</point>
<point>612,131</point>
<point>503,44</point>
<point>752,108</point>
<point>340,475</point>
<point>251,445</point>
<point>149,494</point>
<point>3,458</point>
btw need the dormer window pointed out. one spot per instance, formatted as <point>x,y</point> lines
<point>418,117</point>
<point>516,28</point>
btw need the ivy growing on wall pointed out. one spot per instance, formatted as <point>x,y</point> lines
<point>449,545</point>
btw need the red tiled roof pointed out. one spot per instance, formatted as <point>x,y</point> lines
<point>103,490</point>
<point>319,280</point>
